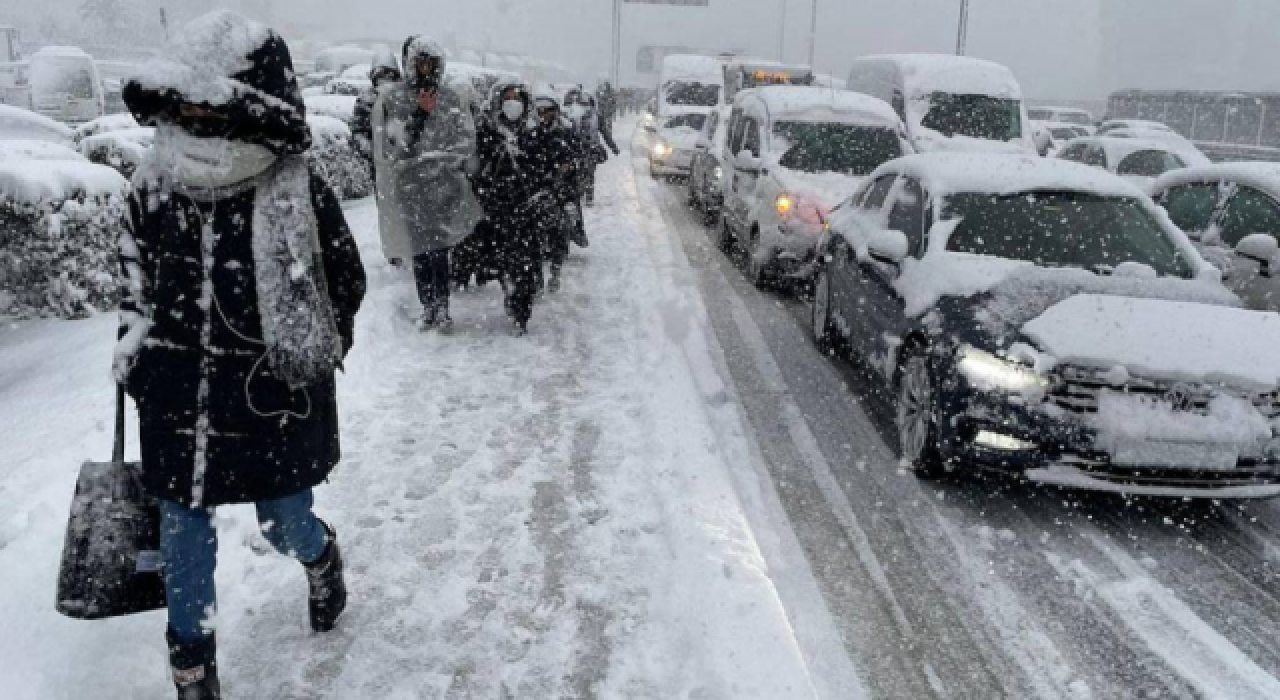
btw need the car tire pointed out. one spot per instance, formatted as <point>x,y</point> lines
<point>757,272</point>
<point>724,238</point>
<point>917,416</point>
<point>825,333</point>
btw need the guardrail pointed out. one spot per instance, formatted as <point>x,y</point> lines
<point>1229,153</point>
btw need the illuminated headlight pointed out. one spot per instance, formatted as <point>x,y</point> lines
<point>999,441</point>
<point>986,372</point>
<point>661,150</point>
<point>719,173</point>
<point>784,204</point>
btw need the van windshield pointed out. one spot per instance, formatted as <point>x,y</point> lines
<point>61,76</point>
<point>835,148</point>
<point>975,116</point>
<point>692,94</point>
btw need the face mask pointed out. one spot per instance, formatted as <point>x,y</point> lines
<point>577,111</point>
<point>512,109</point>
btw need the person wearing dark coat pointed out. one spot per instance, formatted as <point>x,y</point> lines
<point>580,108</point>
<point>385,70</point>
<point>552,149</point>
<point>607,99</point>
<point>241,287</point>
<point>512,184</point>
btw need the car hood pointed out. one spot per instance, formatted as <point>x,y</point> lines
<point>1162,339</point>
<point>683,138</point>
<point>828,189</point>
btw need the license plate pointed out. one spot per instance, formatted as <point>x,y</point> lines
<point>1157,453</point>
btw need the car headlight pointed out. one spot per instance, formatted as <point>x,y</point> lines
<point>784,204</point>
<point>987,372</point>
<point>719,173</point>
<point>661,150</point>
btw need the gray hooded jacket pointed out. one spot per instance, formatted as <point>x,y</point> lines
<point>425,201</point>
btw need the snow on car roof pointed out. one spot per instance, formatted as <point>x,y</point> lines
<point>685,67</point>
<point>1134,124</point>
<point>66,51</point>
<point>944,174</point>
<point>18,123</point>
<point>794,101</point>
<point>1262,176</point>
<point>33,182</point>
<point>1060,110</point>
<point>925,74</point>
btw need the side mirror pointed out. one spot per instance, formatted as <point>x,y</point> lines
<point>888,247</point>
<point>1260,248</point>
<point>746,162</point>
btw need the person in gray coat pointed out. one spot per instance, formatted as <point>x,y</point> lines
<point>424,142</point>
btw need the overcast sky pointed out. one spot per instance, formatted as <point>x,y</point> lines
<point>1058,48</point>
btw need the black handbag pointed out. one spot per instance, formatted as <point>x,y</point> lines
<point>111,562</point>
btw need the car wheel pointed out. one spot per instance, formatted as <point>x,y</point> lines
<point>825,333</point>
<point>725,239</point>
<point>917,420</point>
<point>757,271</point>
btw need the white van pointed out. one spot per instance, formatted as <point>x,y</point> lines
<point>689,82</point>
<point>741,73</point>
<point>949,103</point>
<point>793,154</point>
<point>65,85</point>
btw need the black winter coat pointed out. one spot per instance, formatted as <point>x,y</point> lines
<point>264,441</point>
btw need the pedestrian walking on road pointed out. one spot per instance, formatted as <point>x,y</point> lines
<point>580,108</point>
<point>242,283</point>
<point>424,146</point>
<point>384,71</point>
<point>552,157</point>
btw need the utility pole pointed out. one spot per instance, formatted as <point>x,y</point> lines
<point>782,32</point>
<point>617,42</point>
<point>813,36</point>
<point>962,35</point>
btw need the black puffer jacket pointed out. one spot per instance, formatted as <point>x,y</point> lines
<point>216,425</point>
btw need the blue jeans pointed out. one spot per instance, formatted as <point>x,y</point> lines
<point>190,547</point>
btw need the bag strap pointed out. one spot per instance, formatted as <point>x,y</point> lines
<point>117,452</point>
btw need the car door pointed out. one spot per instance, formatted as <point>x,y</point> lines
<point>731,208</point>
<point>745,182</point>
<point>698,167</point>
<point>864,217</point>
<point>1249,211</point>
<point>881,307</point>
<point>1196,209</point>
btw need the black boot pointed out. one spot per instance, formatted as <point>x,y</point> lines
<point>328,589</point>
<point>195,668</point>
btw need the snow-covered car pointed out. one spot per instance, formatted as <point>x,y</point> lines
<point>1140,124</point>
<point>352,81</point>
<point>1044,318</point>
<point>1174,141</point>
<point>798,152</point>
<point>1063,115</point>
<point>1050,136</point>
<point>1137,160</point>
<point>1232,213</point>
<point>13,150</point>
<point>18,123</point>
<point>122,150</point>
<point>316,80</point>
<point>341,107</point>
<point>949,103</point>
<point>66,84</point>
<point>706,172</point>
<point>674,140</point>
<point>102,125</point>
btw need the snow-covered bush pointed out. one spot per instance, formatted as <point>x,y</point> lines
<point>333,156</point>
<point>337,106</point>
<point>59,221</point>
<point>104,125</point>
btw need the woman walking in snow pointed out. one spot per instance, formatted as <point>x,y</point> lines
<point>424,141</point>
<point>385,70</point>
<point>242,286</point>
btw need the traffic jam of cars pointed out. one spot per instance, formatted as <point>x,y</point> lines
<point>1080,303</point>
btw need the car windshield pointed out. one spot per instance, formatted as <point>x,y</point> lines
<point>852,149</point>
<point>1063,229</point>
<point>686,121</point>
<point>1150,163</point>
<point>1191,207</point>
<point>692,94</point>
<point>61,76</point>
<point>976,116</point>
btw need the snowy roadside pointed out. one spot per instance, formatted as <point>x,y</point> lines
<point>554,516</point>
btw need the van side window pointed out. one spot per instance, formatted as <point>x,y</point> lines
<point>900,105</point>
<point>752,140</point>
<point>878,192</point>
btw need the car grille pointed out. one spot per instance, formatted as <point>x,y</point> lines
<point>1078,390</point>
